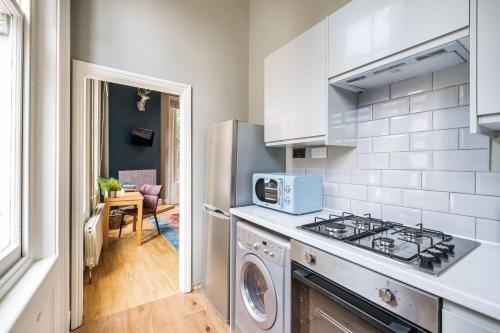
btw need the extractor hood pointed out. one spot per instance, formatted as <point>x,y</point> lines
<point>431,60</point>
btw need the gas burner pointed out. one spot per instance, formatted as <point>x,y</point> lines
<point>335,228</point>
<point>362,225</point>
<point>412,235</point>
<point>386,243</point>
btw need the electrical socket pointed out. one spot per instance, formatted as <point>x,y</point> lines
<point>319,152</point>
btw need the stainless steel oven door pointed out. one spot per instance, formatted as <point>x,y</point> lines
<point>258,292</point>
<point>319,305</point>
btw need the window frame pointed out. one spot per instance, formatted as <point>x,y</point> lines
<point>17,259</point>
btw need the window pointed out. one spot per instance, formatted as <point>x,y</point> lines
<point>11,41</point>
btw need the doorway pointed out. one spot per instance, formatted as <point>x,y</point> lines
<point>179,97</point>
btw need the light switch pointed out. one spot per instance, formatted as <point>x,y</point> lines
<point>319,152</point>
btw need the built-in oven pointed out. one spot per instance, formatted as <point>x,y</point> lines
<point>330,294</point>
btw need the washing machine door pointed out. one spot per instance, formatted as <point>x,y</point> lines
<point>257,291</point>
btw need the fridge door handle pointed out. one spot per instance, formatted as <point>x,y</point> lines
<point>214,211</point>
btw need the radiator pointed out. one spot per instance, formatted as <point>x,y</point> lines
<point>93,238</point>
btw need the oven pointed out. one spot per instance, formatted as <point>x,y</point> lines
<point>330,294</point>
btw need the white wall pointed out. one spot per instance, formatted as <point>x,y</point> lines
<point>201,43</point>
<point>416,160</point>
<point>273,23</point>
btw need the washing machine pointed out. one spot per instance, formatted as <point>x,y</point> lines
<point>263,282</point>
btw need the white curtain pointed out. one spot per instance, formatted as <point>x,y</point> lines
<point>169,167</point>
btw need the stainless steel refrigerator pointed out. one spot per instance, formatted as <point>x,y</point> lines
<point>234,151</point>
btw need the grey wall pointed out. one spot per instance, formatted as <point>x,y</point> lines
<point>201,43</point>
<point>123,116</point>
<point>273,24</point>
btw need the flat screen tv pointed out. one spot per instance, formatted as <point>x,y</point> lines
<point>142,137</point>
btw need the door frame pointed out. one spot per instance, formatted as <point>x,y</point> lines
<point>79,210</point>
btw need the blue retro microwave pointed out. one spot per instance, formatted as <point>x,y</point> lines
<point>294,194</point>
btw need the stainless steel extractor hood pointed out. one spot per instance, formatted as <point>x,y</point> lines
<point>431,60</point>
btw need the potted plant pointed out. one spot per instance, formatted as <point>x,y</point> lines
<point>109,186</point>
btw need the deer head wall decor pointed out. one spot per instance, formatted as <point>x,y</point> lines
<point>144,95</point>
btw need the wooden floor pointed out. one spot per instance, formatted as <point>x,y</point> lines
<point>129,275</point>
<point>180,313</point>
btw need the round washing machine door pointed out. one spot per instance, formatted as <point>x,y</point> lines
<point>257,291</point>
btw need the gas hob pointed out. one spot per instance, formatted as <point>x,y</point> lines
<point>427,250</point>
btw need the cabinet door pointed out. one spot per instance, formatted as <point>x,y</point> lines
<point>456,319</point>
<point>486,85</point>
<point>295,87</point>
<point>364,31</point>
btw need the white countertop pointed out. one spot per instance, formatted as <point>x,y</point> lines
<point>473,281</point>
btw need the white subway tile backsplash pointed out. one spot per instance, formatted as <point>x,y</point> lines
<point>449,223</point>
<point>390,143</point>
<point>433,100</point>
<point>364,207</point>
<point>464,94</point>
<point>386,195</point>
<point>411,161</point>
<point>430,200</point>
<point>412,86</point>
<point>392,108</point>
<point>462,160</point>
<point>373,161</point>
<point>484,206</point>
<point>416,160</point>
<point>375,95</point>
<point>315,171</point>
<point>365,113</point>
<point>451,118</point>
<point>451,76</point>
<point>467,140</point>
<point>337,203</point>
<point>488,183</point>
<point>401,214</point>
<point>411,123</point>
<point>366,177</point>
<point>331,189</point>
<point>364,145</point>
<point>338,175</point>
<point>488,230</point>
<point>401,178</point>
<point>434,140</point>
<point>373,128</point>
<point>352,191</point>
<point>462,182</point>
<point>296,171</point>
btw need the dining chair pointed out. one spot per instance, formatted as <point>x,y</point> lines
<point>151,194</point>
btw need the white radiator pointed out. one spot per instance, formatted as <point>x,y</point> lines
<point>93,237</point>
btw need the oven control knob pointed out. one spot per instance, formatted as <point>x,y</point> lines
<point>310,259</point>
<point>287,200</point>
<point>287,188</point>
<point>256,245</point>
<point>386,295</point>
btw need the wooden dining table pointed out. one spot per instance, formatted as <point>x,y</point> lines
<point>129,199</point>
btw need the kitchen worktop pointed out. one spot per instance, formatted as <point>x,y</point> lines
<point>472,282</point>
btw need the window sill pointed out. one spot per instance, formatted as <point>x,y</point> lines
<point>19,295</point>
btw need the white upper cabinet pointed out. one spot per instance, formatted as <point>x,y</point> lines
<point>364,31</point>
<point>485,65</point>
<point>295,89</point>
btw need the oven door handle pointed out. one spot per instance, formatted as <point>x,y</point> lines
<point>302,275</point>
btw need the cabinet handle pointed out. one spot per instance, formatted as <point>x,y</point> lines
<point>332,321</point>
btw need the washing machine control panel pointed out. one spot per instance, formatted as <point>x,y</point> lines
<point>262,246</point>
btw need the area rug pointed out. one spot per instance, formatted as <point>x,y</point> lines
<point>169,227</point>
